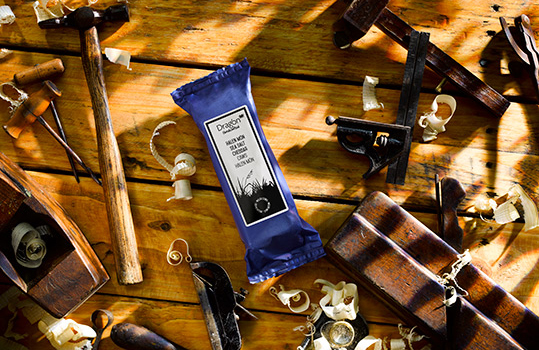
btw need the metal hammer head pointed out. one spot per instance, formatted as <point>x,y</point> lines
<point>33,107</point>
<point>356,21</point>
<point>86,17</point>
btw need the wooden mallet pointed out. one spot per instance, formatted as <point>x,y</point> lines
<point>123,239</point>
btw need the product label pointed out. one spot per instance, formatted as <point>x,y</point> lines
<point>246,165</point>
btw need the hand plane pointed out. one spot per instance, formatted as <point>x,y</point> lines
<point>219,302</point>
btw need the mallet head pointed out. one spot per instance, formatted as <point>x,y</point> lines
<point>86,17</point>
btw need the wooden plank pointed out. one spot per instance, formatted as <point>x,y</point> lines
<point>182,323</point>
<point>158,223</point>
<point>296,131</point>
<point>295,37</point>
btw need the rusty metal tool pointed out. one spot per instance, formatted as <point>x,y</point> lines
<point>380,142</point>
<point>124,243</point>
<point>32,110</point>
<point>63,136</point>
<point>362,14</point>
<point>219,302</point>
<point>98,325</point>
<point>409,98</point>
<point>524,46</point>
<point>449,193</point>
<point>132,337</point>
<point>389,144</point>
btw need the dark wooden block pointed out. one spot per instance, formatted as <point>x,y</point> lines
<point>71,271</point>
<point>394,254</point>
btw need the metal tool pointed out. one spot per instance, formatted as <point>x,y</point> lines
<point>63,136</point>
<point>524,46</point>
<point>411,87</point>
<point>380,142</point>
<point>31,110</point>
<point>362,14</point>
<point>132,337</point>
<point>219,302</point>
<point>124,243</point>
<point>342,335</point>
<point>449,193</point>
<point>98,325</point>
<point>385,143</point>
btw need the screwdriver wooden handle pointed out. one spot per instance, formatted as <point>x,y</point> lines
<point>123,239</point>
<point>39,72</point>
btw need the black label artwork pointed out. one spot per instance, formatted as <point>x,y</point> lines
<point>246,165</point>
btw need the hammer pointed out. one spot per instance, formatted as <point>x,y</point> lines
<point>123,239</point>
<point>362,14</point>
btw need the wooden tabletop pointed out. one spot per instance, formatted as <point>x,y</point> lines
<point>298,78</point>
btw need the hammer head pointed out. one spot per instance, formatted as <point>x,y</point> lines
<point>86,17</point>
<point>32,108</point>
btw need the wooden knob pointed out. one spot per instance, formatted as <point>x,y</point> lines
<point>32,108</point>
<point>39,72</point>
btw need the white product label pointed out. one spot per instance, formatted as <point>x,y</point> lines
<point>246,165</point>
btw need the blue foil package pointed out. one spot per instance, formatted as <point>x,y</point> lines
<point>276,238</point>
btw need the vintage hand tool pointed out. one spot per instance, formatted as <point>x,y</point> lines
<point>41,72</point>
<point>71,271</point>
<point>98,325</point>
<point>398,258</point>
<point>524,46</point>
<point>339,337</point>
<point>380,142</point>
<point>64,138</point>
<point>31,110</point>
<point>362,14</point>
<point>132,337</point>
<point>219,302</point>
<point>124,244</point>
<point>449,193</point>
<point>384,143</point>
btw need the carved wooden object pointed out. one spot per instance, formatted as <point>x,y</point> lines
<point>398,258</point>
<point>71,271</point>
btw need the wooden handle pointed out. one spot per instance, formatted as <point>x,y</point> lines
<point>123,239</point>
<point>35,106</point>
<point>40,72</point>
<point>132,337</point>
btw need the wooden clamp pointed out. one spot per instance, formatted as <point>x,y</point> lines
<point>385,143</point>
<point>398,258</point>
<point>362,14</point>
